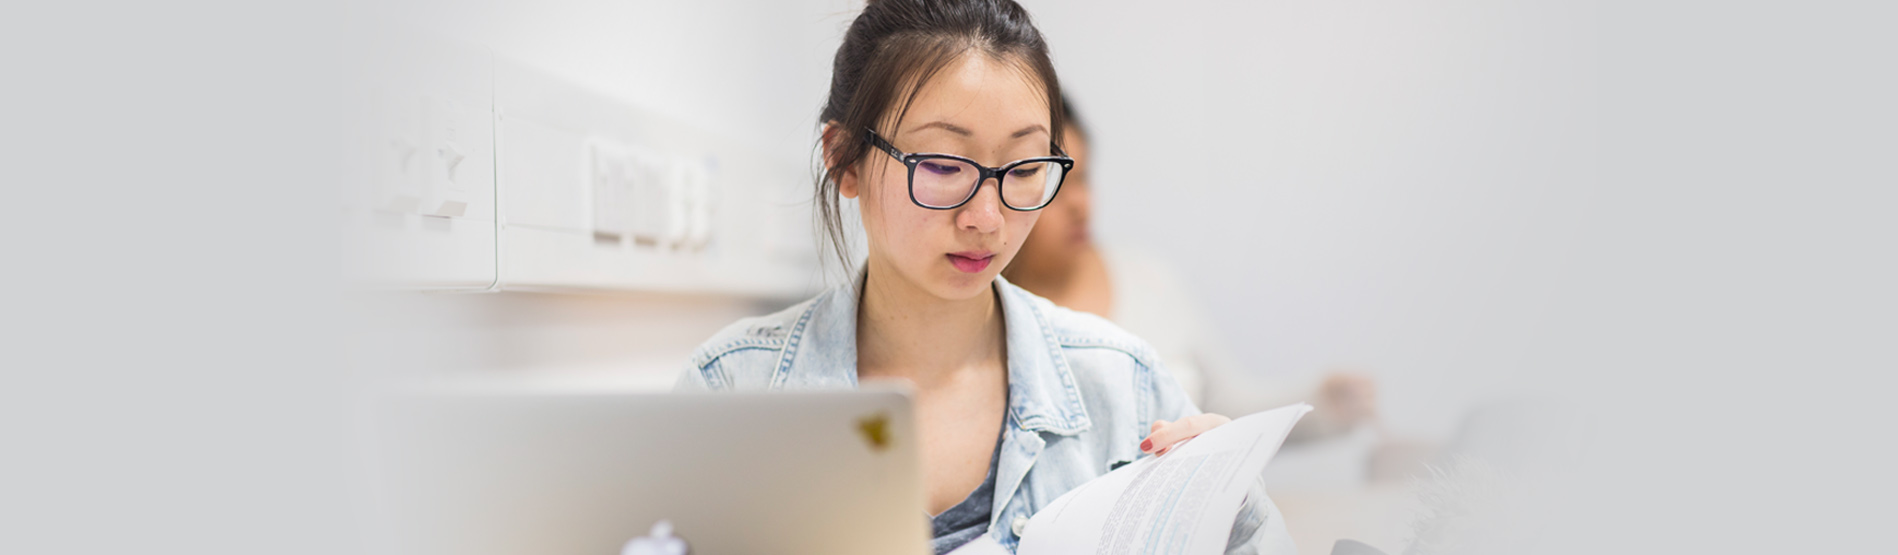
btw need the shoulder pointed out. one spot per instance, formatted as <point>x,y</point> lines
<point>1144,282</point>
<point>746,350</point>
<point>1119,375</point>
<point>767,332</point>
<point>1139,262</point>
<point>1074,330</point>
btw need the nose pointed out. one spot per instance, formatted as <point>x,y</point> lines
<point>982,214</point>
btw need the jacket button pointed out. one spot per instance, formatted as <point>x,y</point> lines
<point>1017,525</point>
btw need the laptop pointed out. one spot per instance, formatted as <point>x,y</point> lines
<point>649,474</point>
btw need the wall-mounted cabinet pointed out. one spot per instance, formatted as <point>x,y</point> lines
<point>421,214</point>
<point>491,175</point>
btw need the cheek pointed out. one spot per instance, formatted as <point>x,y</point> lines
<point>1019,225</point>
<point>875,198</point>
<point>894,224</point>
<point>1038,235</point>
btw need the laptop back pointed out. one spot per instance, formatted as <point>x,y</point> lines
<point>651,474</point>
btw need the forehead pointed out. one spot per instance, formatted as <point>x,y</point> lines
<point>990,97</point>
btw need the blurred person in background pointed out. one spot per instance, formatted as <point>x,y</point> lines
<point>1142,293</point>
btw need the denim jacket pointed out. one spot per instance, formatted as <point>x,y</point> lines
<point>1081,396</point>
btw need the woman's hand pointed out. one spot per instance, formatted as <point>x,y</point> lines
<point>1164,436</point>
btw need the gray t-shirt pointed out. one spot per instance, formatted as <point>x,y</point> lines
<point>969,519</point>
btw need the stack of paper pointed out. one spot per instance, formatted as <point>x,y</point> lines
<point>1183,502</point>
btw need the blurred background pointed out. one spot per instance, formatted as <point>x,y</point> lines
<point>1657,229</point>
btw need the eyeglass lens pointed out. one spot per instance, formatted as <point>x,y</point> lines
<point>947,181</point>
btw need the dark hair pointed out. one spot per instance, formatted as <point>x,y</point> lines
<point>893,48</point>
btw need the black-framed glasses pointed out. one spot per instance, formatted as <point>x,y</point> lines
<point>946,181</point>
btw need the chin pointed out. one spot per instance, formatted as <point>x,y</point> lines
<point>960,286</point>
<point>953,284</point>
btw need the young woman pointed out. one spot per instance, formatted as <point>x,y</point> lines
<point>944,123</point>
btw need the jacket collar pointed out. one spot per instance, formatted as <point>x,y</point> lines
<point>1042,393</point>
<point>821,352</point>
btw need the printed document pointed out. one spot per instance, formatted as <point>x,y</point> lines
<point>1180,503</point>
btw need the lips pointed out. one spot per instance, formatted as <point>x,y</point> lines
<point>971,261</point>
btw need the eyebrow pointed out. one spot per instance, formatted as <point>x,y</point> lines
<point>1026,131</point>
<point>959,130</point>
<point>946,126</point>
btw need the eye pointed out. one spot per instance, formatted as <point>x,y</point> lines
<point>940,167</point>
<point>1024,171</point>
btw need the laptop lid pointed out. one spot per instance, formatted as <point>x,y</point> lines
<point>589,473</point>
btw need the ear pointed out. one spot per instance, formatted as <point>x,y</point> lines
<point>847,178</point>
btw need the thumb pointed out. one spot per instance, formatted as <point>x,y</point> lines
<point>1165,435</point>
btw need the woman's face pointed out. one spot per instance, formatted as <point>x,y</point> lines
<point>980,108</point>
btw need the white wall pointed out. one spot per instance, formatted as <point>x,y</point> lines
<point>750,70</point>
<point>636,341</point>
<point>1387,186</point>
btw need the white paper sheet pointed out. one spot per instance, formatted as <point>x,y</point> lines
<point>982,545</point>
<point>1181,503</point>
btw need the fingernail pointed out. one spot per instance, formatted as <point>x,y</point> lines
<point>1146,446</point>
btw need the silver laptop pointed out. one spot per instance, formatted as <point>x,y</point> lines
<point>649,474</point>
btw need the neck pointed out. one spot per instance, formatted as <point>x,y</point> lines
<point>905,332</point>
